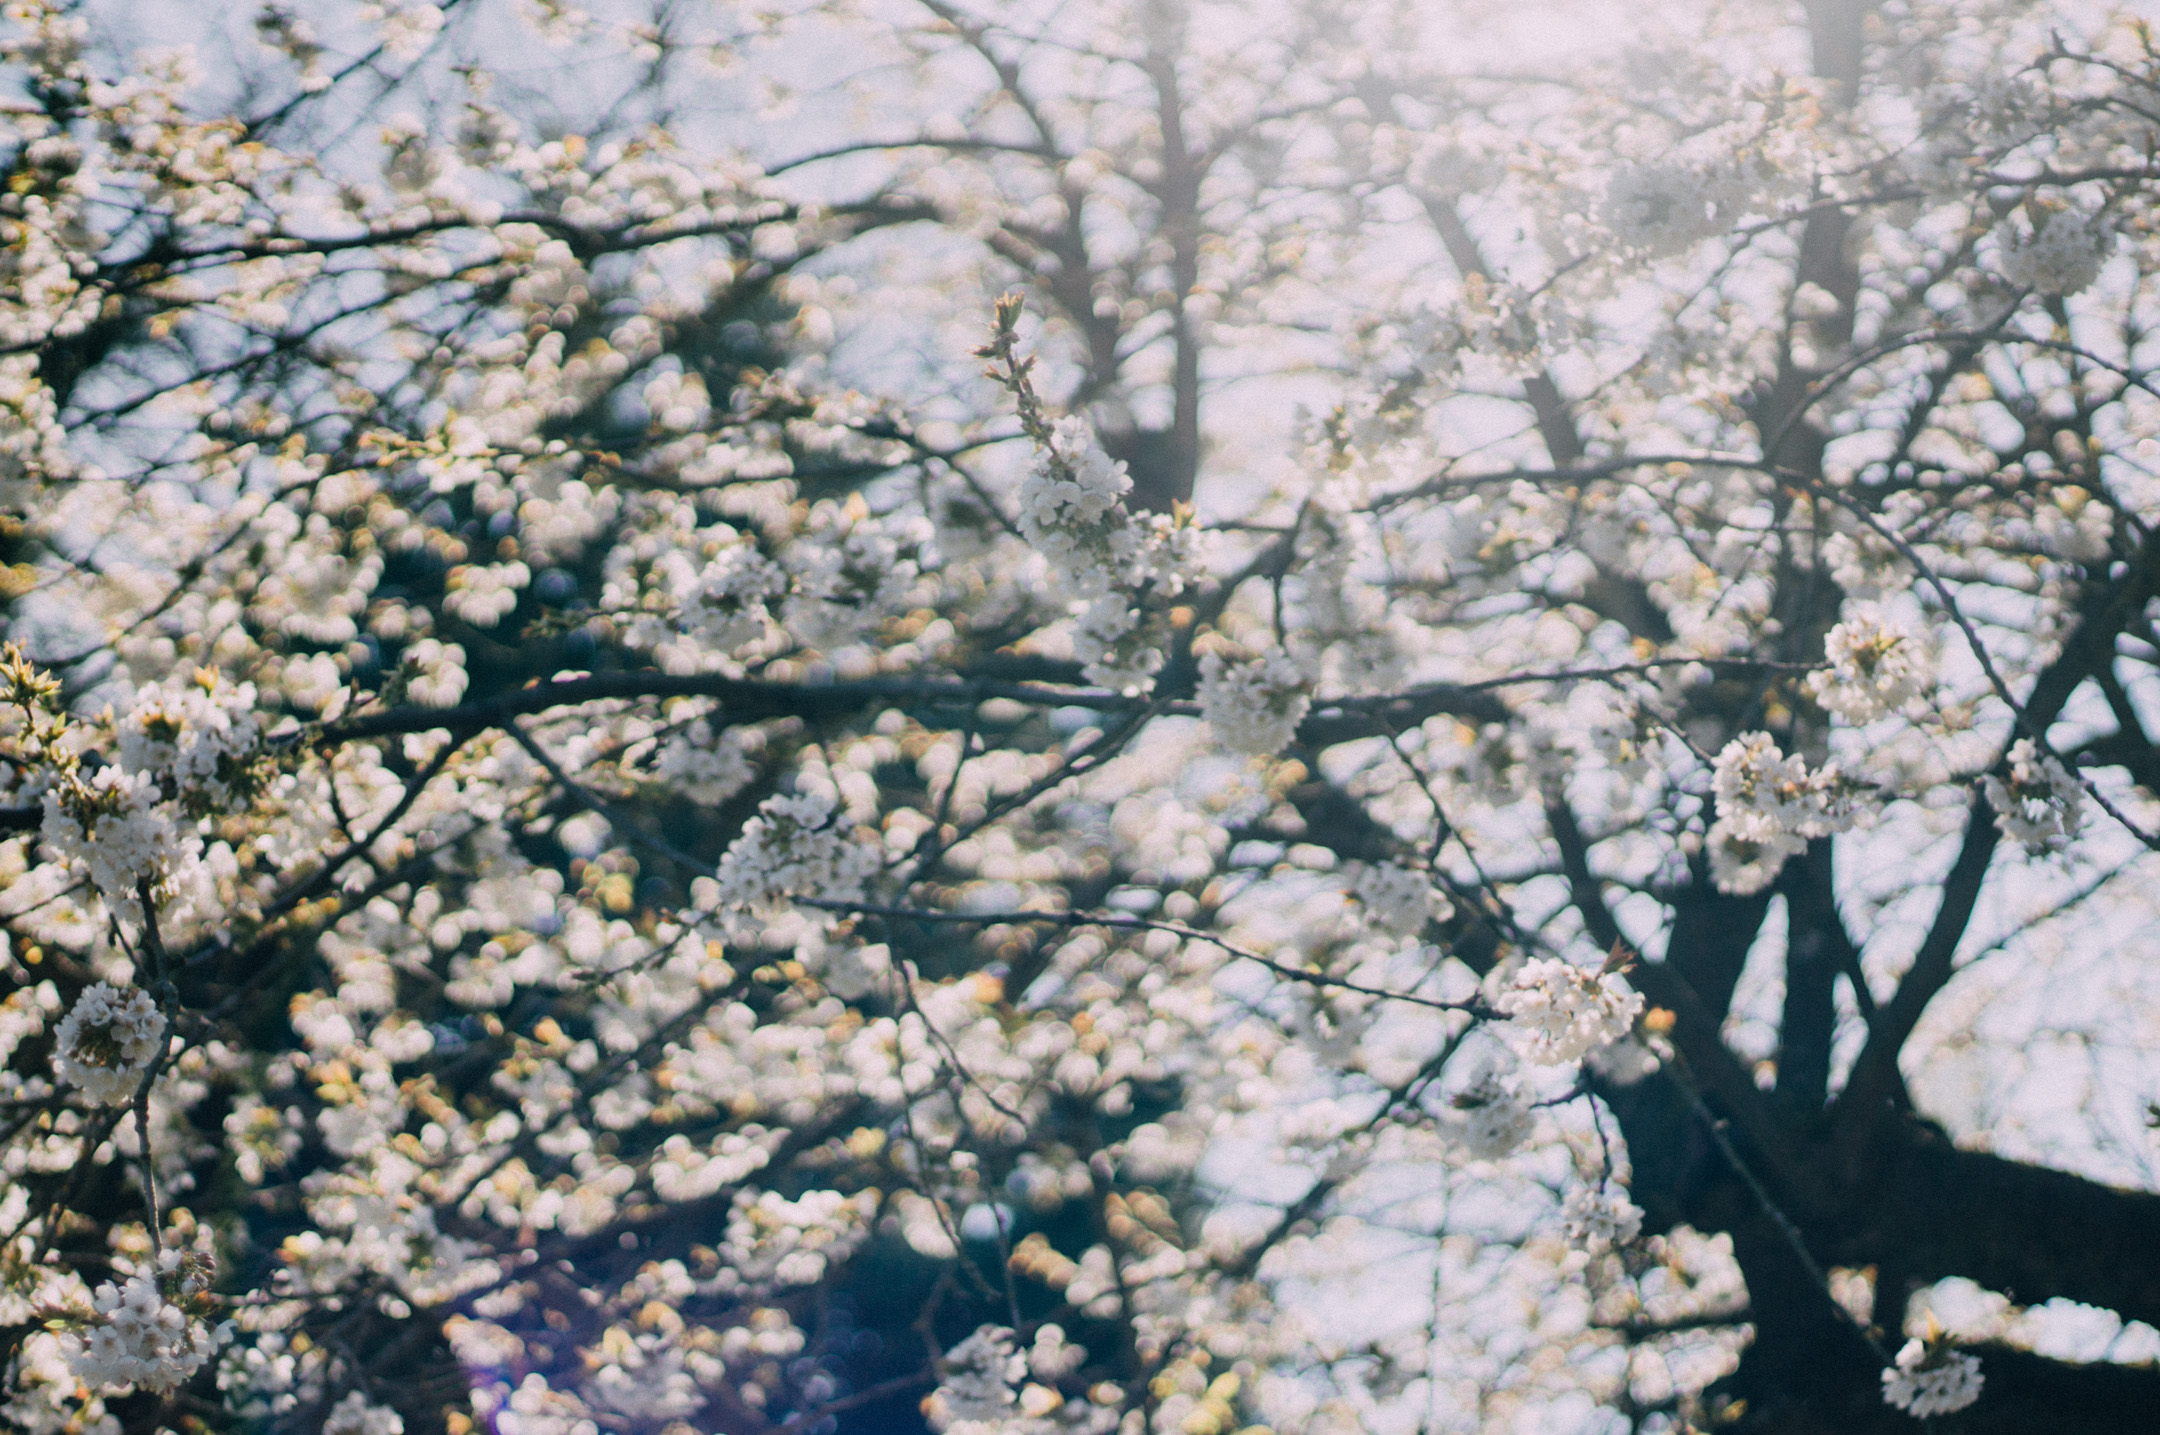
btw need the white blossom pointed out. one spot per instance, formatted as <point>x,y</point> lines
<point>118,830</point>
<point>1116,643</point>
<point>794,847</point>
<point>1762,794</point>
<point>107,1041</point>
<point>1876,666</point>
<point>1072,505</point>
<point>2061,256</point>
<point>192,732</point>
<point>727,608</point>
<point>438,673</point>
<point>1558,1012</point>
<point>2040,804</point>
<point>1491,1118</point>
<point>1659,207</point>
<point>1253,705</point>
<point>1741,866</point>
<point>777,1242</point>
<point>704,765</point>
<point>356,1415</point>
<point>976,1386</point>
<point>1401,899</point>
<point>484,594</point>
<point>1924,1383</point>
<point>136,1337</point>
<point>1595,1219</point>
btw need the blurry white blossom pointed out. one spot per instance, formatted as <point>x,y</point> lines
<point>1659,207</point>
<point>1926,1383</point>
<point>1401,899</point>
<point>2039,803</point>
<point>438,673</point>
<point>355,1415</point>
<point>976,1386</point>
<point>1491,1118</point>
<point>2062,255</point>
<point>1595,1219</point>
<point>484,594</point>
<point>1742,866</point>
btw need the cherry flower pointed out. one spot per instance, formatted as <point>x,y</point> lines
<point>356,1415</point>
<point>1253,705</point>
<point>1876,666</point>
<point>1596,1219</point>
<point>1401,899</point>
<point>2061,256</point>
<point>107,1041</point>
<point>1072,506</point>
<point>1928,1382</point>
<point>1763,794</point>
<point>138,1337</point>
<point>793,848</point>
<point>2038,803</point>
<point>1659,207</point>
<point>1559,1012</point>
<point>1491,1117</point>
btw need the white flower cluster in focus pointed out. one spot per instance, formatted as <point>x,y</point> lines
<point>727,609</point>
<point>115,829</point>
<point>1072,509</point>
<point>1876,667</point>
<point>707,766</point>
<point>1072,503</point>
<point>1924,1384</point>
<point>139,1338</point>
<point>2062,255</point>
<point>1558,1012</point>
<point>1253,705</point>
<point>107,1041</point>
<point>792,848</point>
<point>192,734</point>
<point>1769,805</point>
<point>2040,804</point>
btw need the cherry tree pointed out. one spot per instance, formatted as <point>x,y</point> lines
<point>565,870</point>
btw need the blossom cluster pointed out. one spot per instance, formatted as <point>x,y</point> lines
<point>2037,802</point>
<point>105,1044</point>
<point>1927,1382</point>
<point>1255,704</point>
<point>1769,806</point>
<point>137,1336</point>
<point>1559,1012</point>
